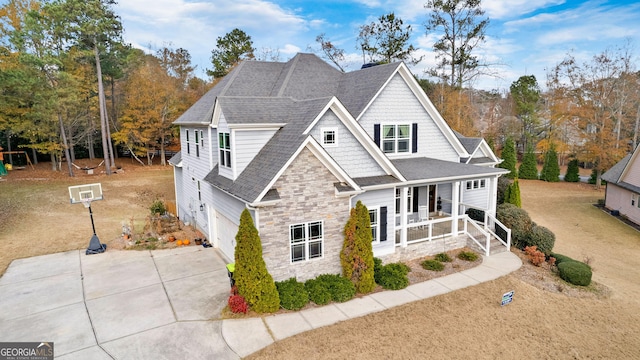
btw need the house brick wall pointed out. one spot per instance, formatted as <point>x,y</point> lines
<point>307,194</point>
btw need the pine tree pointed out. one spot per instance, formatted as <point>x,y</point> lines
<point>356,256</point>
<point>253,280</point>
<point>528,169</point>
<point>509,158</point>
<point>550,169</point>
<point>513,194</point>
<point>573,173</point>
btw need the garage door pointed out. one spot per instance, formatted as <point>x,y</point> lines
<point>226,236</point>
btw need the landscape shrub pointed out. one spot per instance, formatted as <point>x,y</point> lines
<point>157,208</point>
<point>340,288</point>
<point>356,256</point>
<point>512,195</point>
<point>293,295</point>
<point>509,158</point>
<point>433,265</point>
<point>252,278</point>
<point>377,265</point>
<point>393,276</point>
<point>575,272</point>
<point>535,256</point>
<point>529,167</point>
<point>517,220</point>
<point>443,257</point>
<point>550,169</point>
<point>542,238</point>
<point>503,184</point>
<point>237,304</point>
<point>475,214</point>
<point>573,172</point>
<point>560,258</point>
<point>468,256</point>
<point>318,292</point>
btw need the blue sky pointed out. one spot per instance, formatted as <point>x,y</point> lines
<point>524,36</point>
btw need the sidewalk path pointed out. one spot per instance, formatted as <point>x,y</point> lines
<point>165,304</point>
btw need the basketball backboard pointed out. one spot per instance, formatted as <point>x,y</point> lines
<point>81,194</point>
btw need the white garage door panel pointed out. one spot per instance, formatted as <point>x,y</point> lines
<point>226,236</point>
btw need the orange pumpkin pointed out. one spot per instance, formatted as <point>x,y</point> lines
<point>172,238</point>
<point>186,242</point>
<point>179,243</point>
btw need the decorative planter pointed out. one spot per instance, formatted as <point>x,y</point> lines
<point>198,241</point>
<point>172,238</point>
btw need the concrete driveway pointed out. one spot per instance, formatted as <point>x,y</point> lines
<point>161,304</point>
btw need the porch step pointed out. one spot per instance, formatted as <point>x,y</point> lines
<point>496,246</point>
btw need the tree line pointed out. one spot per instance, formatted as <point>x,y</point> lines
<point>68,81</point>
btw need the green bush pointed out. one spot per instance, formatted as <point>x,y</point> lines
<point>573,172</point>
<point>252,278</point>
<point>475,214</point>
<point>377,266</point>
<point>340,288</point>
<point>509,158</point>
<point>293,295</point>
<point>517,220</point>
<point>550,169</point>
<point>318,292</point>
<point>575,272</point>
<point>393,276</point>
<point>542,238</point>
<point>433,265</point>
<point>512,195</point>
<point>560,258</point>
<point>503,185</point>
<point>157,208</point>
<point>468,256</point>
<point>528,168</point>
<point>443,257</point>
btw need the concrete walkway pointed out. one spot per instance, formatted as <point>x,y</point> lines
<point>165,304</point>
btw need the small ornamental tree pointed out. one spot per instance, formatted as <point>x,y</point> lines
<point>253,280</point>
<point>573,173</point>
<point>509,158</point>
<point>513,194</point>
<point>550,169</point>
<point>528,169</point>
<point>356,256</point>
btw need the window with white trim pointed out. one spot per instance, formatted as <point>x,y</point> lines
<point>634,200</point>
<point>188,142</point>
<point>201,138</point>
<point>409,200</point>
<point>193,140</point>
<point>224,145</point>
<point>476,184</point>
<point>330,137</point>
<point>306,240</point>
<point>396,139</point>
<point>374,218</point>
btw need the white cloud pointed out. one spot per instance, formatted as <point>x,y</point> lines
<point>500,9</point>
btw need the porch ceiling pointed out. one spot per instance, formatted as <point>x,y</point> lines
<point>429,169</point>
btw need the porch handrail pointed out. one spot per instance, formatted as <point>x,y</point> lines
<point>490,219</point>
<point>481,230</point>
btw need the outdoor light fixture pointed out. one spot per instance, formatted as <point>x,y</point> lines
<point>201,207</point>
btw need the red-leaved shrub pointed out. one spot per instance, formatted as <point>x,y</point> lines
<point>234,290</point>
<point>238,304</point>
<point>534,255</point>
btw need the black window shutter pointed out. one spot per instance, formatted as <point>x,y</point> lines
<point>383,223</point>
<point>415,199</point>
<point>376,134</point>
<point>414,138</point>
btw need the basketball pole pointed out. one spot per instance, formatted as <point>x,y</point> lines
<point>93,226</point>
<point>95,247</point>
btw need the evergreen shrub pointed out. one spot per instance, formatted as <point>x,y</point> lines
<point>468,256</point>
<point>475,214</point>
<point>529,167</point>
<point>575,272</point>
<point>573,172</point>
<point>393,276</point>
<point>356,256</point>
<point>318,291</point>
<point>433,265</point>
<point>542,238</point>
<point>518,221</point>
<point>340,288</point>
<point>443,257</point>
<point>560,258</point>
<point>293,295</point>
<point>550,170</point>
<point>509,157</point>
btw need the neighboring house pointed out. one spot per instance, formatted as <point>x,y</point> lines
<point>299,143</point>
<point>623,187</point>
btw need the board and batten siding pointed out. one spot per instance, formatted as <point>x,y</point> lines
<point>348,152</point>
<point>247,145</point>
<point>633,174</point>
<point>397,104</point>
<point>380,198</point>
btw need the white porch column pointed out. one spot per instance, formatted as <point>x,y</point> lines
<point>455,206</point>
<point>404,194</point>
<point>493,195</point>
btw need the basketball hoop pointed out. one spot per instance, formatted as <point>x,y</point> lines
<point>85,194</point>
<point>86,203</point>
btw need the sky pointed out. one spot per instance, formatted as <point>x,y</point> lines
<point>524,37</point>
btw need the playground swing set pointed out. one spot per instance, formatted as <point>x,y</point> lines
<point>10,166</point>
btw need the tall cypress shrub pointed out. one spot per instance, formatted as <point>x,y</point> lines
<point>513,194</point>
<point>509,158</point>
<point>573,172</point>
<point>356,256</point>
<point>253,280</point>
<point>550,169</point>
<point>528,169</point>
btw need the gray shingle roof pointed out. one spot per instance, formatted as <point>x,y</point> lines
<point>176,158</point>
<point>358,88</point>
<point>376,180</point>
<point>470,144</point>
<point>432,169</point>
<point>613,174</point>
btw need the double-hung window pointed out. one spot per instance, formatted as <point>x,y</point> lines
<point>396,138</point>
<point>374,218</point>
<point>306,240</point>
<point>224,144</point>
<point>409,200</point>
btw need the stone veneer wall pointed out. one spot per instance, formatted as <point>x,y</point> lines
<point>307,194</point>
<point>425,248</point>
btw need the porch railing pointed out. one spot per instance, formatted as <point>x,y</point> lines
<point>498,230</point>
<point>478,234</point>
